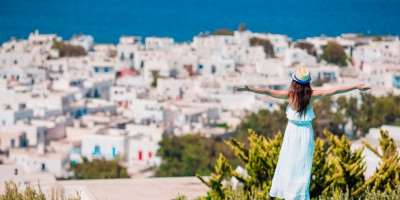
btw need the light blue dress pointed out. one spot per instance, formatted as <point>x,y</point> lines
<point>292,174</point>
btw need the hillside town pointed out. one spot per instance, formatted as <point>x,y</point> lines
<point>117,100</point>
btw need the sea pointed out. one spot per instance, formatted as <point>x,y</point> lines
<point>107,20</point>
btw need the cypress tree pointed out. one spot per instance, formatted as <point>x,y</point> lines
<point>222,171</point>
<point>319,169</point>
<point>387,175</point>
<point>346,167</point>
<point>259,160</point>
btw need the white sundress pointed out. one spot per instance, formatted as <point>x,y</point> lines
<point>292,174</point>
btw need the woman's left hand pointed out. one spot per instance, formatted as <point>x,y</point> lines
<point>363,87</point>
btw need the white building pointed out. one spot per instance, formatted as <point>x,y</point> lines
<point>9,140</point>
<point>108,144</point>
<point>85,41</point>
<point>127,48</point>
<point>299,56</point>
<point>279,42</point>
<point>33,160</point>
<point>159,43</point>
<point>11,113</point>
<point>377,52</point>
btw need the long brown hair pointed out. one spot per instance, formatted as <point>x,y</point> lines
<point>300,94</point>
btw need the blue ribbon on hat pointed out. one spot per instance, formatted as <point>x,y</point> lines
<point>301,81</point>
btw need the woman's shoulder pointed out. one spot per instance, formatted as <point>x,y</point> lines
<point>291,103</point>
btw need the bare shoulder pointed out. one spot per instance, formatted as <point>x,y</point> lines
<point>318,92</point>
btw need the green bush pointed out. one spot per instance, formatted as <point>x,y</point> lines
<point>190,154</point>
<point>12,191</point>
<point>335,170</point>
<point>309,47</point>
<point>68,50</point>
<point>99,169</point>
<point>334,53</point>
<point>266,44</point>
<point>223,32</point>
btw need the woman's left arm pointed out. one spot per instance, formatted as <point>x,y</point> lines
<point>318,94</point>
<point>280,94</point>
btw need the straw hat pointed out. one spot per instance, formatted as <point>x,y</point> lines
<point>301,75</point>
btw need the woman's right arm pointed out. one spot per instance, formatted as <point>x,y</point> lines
<point>319,94</point>
<point>279,94</point>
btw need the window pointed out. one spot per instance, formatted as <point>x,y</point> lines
<point>140,156</point>
<point>131,56</point>
<point>12,143</point>
<point>96,151</point>
<point>213,69</point>
<point>150,154</point>
<point>114,152</point>
<point>96,69</point>
<point>43,167</point>
<point>15,171</point>
<point>73,162</point>
<point>142,64</point>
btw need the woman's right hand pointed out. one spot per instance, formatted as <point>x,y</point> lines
<point>241,89</point>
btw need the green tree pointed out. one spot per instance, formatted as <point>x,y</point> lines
<point>190,154</point>
<point>336,174</point>
<point>99,169</point>
<point>223,32</point>
<point>377,38</point>
<point>68,50</point>
<point>242,27</point>
<point>376,111</point>
<point>334,53</point>
<point>346,167</point>
<point>309,47</point>
<point>266,44</point>
<point>257,122</point>
<point>259,159</point>
<point>325,117</point>
<point>154,82</point>
<point>320,169</point>
<point>387,175</point>
<point>347,110</point>
<point>222,172</point>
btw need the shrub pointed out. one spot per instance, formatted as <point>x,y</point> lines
<point>68,50</point>
<point>334,53</point>
<point>266,44</point>
<point>14,192</point>
<point>99,169</point>
<point>337,173</point>
<point>309,47</point>
<point>223,32</point>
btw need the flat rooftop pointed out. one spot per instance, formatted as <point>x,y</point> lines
<point>141,188</point>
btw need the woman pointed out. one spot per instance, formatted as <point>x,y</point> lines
<point>292,174</point>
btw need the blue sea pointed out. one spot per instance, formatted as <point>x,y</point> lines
<point>107,20</point>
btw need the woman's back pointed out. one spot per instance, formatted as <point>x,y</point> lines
<point>294,115</point>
